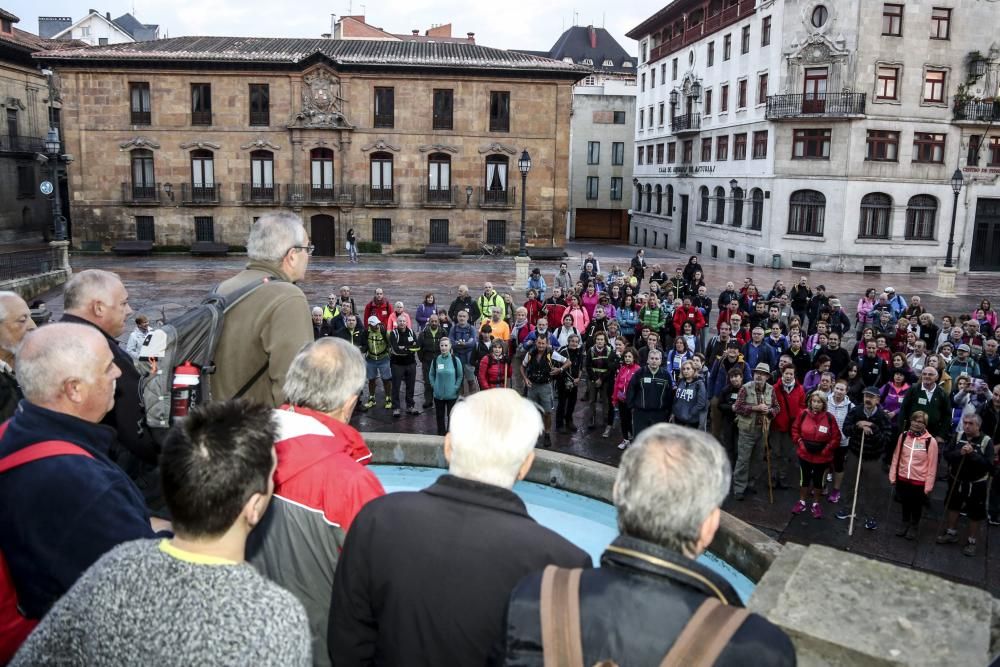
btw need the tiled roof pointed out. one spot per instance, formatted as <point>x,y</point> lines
<point>4,14</point>
<point>290,51</point>
<point>34,43</point>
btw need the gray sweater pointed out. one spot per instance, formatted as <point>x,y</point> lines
<point>138,605</point>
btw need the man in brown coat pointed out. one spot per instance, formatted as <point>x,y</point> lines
<point>264,332</point>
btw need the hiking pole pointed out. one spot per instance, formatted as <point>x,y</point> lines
<point>857,484</point>
<point>766,427</point>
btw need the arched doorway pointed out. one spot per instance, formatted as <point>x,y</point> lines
<point>323,235</point>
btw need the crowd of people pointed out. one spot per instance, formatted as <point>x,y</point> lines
<point>252,530</point>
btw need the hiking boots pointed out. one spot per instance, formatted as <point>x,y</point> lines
<point>834,497</point>
<point>817,511</point>
<point>947,537</point>
<point>413,411</point>
<point>623,444</point>
<point>370,403</point>
<point>607,432</point>
<point>799,507</point>
<point>970,548</point>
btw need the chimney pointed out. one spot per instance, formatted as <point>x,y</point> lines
<point>94,11</point>
<point>416,33</point>
<point>593,36</point>
<point>472,37</point>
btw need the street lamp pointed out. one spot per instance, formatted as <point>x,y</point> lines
<point>52,146</point>
<point>957,181</point>
<point>674,97</point>
<point>524,164</point>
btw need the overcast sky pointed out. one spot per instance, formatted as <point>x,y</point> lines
<point>522,24</point>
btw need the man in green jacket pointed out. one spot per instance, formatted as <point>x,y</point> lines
<point>930,398</point>
<point>265,331</point>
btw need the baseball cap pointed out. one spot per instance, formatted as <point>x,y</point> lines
<point>964,347</point>
<point>834,303</point>
<point>372,321</point>
<point>733,345</point>
<point>871,391</point>
<point>890,290</point>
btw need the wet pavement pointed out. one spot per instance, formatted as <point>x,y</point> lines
<point>164,286</point>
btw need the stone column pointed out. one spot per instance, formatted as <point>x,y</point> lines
<point>946,281</point>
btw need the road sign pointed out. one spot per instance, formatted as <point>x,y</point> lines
<point>45,187</point>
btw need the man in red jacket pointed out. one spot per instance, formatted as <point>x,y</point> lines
<point>688,313</point>
<point>379,307</point>
<point>320,484</point>
<point>791,400</point>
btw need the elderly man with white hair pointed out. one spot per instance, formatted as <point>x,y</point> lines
<point>320,484</point>
<point>61,513</point>
<point>424,576</point>
<point>670,485</point>
<point>15,322</point>
<point>266,329</point>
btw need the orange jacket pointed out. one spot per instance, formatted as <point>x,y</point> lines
<point>916,459</point>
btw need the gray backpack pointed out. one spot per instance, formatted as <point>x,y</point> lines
<point>192,338</point>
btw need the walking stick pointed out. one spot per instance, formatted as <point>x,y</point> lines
<point>857,484</point>
<point>766,427</point>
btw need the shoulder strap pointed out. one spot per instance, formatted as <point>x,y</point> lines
<point>706,635</point>
<point>41,450</point>
<point>562,644</point>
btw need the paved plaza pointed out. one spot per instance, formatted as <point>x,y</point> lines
<point>164,286</point>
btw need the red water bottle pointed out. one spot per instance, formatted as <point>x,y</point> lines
<point>184,393</point>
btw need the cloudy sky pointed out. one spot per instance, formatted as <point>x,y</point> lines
<point>523,24</point>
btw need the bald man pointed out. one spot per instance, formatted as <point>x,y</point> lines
<point>15,323</point>
<point>80,505</point>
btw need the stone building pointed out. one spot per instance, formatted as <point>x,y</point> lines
<point>820,134</point>
<point>408,143</point>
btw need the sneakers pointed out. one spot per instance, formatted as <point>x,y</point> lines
<point>834,497</point>
<point>607,432</point>
<point>370,403</point>
<point>970,548</point>
<point>843,514</point>
<point>829,478</point>
<point>995,520</point>
<point>817,511</point>
<point>624,444</point>
<point>428,404</point>
<point>871,523</point>
<point>396,414</point>
<point>413,411</point>
<point>799,508</point>
<point>947,537</point>
<point>388,403</point>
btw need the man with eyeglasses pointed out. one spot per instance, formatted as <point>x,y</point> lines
<point>264,332</point>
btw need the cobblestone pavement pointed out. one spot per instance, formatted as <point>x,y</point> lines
<point>166,285</point>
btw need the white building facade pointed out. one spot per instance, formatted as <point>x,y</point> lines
<point>820,134</point>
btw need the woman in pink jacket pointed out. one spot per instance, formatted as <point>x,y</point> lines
<point>816,437</point>
<point>589,299</point>
<point>581,318</point>
<point>628,368</point>
<point>913,471</point>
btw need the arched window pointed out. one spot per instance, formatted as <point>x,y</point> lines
<point>921,218</point>
<point>703,213</point>
<point>496,179</point>
<point>143,177</point>
<point>321,173</point>
<point>757,209</point>
<point>439,177</point>
<point>720,205</point>
<point>670,200</point>
<point>381,174</point>
<point>876,216</point>
<point>806,212</point>
<point>649,198</point>
<point>737,207</point>
<point>202,175</point>
<point>638,198</point>
<point>659,200</point>
<point>262,175</point>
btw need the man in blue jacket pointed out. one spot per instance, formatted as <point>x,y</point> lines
<point>463,344</point>
<point>60,514</point>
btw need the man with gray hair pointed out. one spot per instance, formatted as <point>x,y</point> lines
<point>98,299</point>
<point>320,483</point>
<point>15,322</point>
<point>61,513</point>
<point>424,575</point>
<point>670,485</point>
<point>263,332</point>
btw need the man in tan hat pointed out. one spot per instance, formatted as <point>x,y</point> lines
<point>755,406</point>
<point>839,321</point>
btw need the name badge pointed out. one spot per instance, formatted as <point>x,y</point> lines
<point>690,316</point>
<point>734,396</point>
<point>647,380</point>
<point>823,429</point>
<point>922,401</point>
<point>440,367</point>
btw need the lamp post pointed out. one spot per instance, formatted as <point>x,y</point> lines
<point>957,181</point>
<point>52,146</point>
<point>524,164</point>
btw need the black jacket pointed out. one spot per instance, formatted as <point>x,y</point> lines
<point>633,608</point>
<point>10,394</point>
<point>881,434</point>
<point>975,465</point>
<point>647,391</point>
<point>463,303</point>
<point>424,576</point>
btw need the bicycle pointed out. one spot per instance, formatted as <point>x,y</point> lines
<point>491,250</point>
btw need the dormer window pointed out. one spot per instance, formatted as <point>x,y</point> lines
<point>627,63</point>
<point>608,63</point>
<point>6,26</point>
<point>588,62</point>
<point>567,59</point>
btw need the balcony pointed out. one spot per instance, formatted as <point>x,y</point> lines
<point>380,196</point>
<point>260,195</point>
<point>818,105</point>
<point>686,124</point>
<point>201,117</point>
<point>200,194</point>
<point>141,194</point>
<point>142,117</point>
<point>258,118</point>
<point>320,195</point>
<point>18,144</point>
<point>497,198</point>
<point>976,111</point>
<point>438,197</point>
<point>710,25</point>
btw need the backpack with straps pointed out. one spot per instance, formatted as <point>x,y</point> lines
<point>14,626</point>
<point>191,338</point>
<point>700,644</point>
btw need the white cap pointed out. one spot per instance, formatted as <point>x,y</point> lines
<point>372,321</point>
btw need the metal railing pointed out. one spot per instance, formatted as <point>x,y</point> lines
<point>260,117</point>
<point>145,193</point>
<point>201,194</point>
<point>306,193</point>
<point>201,117</point>
<point>497,198</point>
<point>690,122</point>
<point>438,196</point>
<point>978,111</point>
<point>16,264</point>
<point>711,24</point>
<point>827,105</point>
<point>386,196</point>
<point>142,118</point>
<point>254,193</point>
<point>18,144</point>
